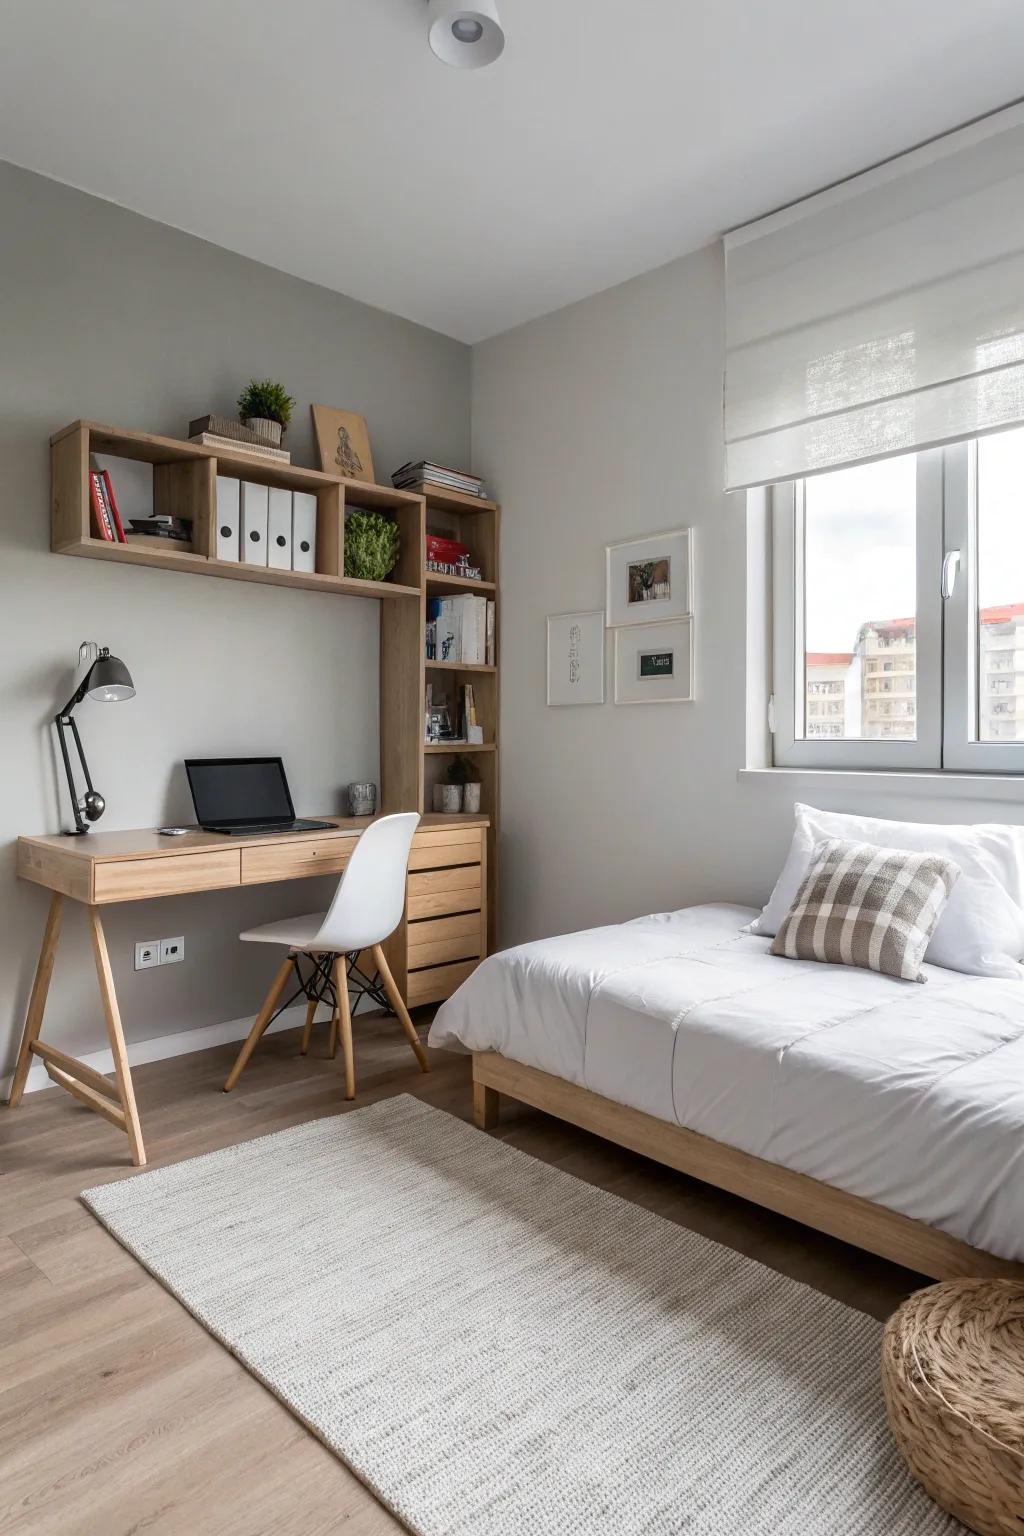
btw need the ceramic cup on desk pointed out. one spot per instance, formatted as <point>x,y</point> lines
<point>362,799</point>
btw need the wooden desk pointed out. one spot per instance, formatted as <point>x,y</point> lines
<point>442,937</point>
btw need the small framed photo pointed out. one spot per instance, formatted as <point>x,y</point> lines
<point>654,663</point>
<point>576,658</point>
<point>649,580</point>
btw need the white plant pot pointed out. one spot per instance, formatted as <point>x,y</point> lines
<point>264,427</point>
<point>451,798</point>
<point>471,798</point>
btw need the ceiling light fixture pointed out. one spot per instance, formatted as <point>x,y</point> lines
<point>465,36</point>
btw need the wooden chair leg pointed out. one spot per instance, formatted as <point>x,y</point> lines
<point>37,1002</point>
<point>277,986</point>
<point>307,1031</point>
<point>115,1034</point>
<point>398,1004</point>
<point>344,1016</point>
<point>486,1106</point>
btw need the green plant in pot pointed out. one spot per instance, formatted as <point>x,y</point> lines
<point>372,543</point>
<point>463,773</point>
<point>266,407</point>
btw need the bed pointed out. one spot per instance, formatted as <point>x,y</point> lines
<point>884,1112</point>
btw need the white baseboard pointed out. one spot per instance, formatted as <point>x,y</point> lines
<point>164,1046</point>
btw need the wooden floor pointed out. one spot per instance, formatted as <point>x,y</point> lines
<point>119,1414</point>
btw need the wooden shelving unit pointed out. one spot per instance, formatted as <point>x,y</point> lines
<point>185,483</point>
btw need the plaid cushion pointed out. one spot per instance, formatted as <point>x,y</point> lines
<point>871,907</point>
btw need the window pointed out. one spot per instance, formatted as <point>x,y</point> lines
<point>899,612</point>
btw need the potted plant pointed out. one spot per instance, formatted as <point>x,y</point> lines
<point>463,777</point>
<point>265,408</point>
<point>371,545</point>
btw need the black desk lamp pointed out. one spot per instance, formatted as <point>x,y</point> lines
<point>107,680</point>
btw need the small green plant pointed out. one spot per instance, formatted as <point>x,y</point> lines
<point>371,545</point>
<point>462,770</point>
<point>264,399</point>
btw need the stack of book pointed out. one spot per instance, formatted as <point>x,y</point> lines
<point>460,629</point>
<point>106,519</point>
<point>162,526</point>
<point>425,471</point>
<point>233,437</point>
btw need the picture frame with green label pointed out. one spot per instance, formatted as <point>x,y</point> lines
<point>654,663</point>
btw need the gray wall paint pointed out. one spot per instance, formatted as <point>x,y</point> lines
<point>593,424</point>
<point>109,316</point>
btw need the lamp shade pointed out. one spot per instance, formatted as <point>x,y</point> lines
<point>109,680</point>
<point>465,36</point>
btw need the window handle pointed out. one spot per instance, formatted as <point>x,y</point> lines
<point>950,567</point>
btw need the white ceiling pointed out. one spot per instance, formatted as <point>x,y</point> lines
<point>322,137</point>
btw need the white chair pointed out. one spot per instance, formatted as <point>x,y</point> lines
<point>367,908</point>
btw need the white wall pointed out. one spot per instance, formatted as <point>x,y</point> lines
<point>108,316</point>
<point>593,424</point>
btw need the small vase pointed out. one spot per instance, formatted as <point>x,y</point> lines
<point>451,798</point>
<point>471,798</point>
<point>272,431</point>
<point>362,799</point>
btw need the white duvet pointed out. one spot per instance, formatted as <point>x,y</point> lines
<point>911,1096</point>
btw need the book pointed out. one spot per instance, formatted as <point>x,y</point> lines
<point>104,524</point>
<point>229,447</point>
<point>437,474</point>
<point>490,633</point>
<point>112,506</point>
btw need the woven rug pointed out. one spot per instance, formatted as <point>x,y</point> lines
<point>498,1349</point>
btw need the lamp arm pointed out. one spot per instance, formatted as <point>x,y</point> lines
<point>61,720</point>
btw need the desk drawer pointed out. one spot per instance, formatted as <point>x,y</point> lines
<point>438,941</point>
<point>435,849</point>
<point>172,875</point>
<point>437,983</point>
<point>292,861</point>
<point>440,891</point>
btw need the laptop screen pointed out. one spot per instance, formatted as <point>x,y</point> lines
<point>230,791</point>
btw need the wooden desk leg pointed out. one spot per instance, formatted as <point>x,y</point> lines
<point>37,1002</point>
<point>112,1014</point>
<point>344,1018</point>
<point>398,1004</point>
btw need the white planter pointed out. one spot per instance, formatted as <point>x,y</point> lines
<point>450,798</point>
<point>264,427</point>
<point>471,798</point>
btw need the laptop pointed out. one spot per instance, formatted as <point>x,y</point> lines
<point>242,795</point>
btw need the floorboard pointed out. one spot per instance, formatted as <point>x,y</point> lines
<point>120,1415</point>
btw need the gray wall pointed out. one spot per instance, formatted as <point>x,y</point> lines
<point>109,316</point>
<point>593,424</point>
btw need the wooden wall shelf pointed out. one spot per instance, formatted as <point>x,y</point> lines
<point>185,483</point>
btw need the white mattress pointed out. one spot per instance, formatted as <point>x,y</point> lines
<point>909,1095</point>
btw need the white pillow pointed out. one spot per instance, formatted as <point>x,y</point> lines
<point>981,930</point>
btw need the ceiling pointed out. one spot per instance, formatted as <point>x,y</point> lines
<point>322,136</point>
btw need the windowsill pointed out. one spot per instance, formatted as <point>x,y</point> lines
<point>932,785</point>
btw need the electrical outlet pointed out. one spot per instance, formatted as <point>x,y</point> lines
<point>172,950</point>
<point>146,954</point>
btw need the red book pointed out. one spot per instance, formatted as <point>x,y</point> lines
<point>104,525</point>
<point>112,507</point>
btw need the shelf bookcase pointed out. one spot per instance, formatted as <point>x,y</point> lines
<point>185,485</point>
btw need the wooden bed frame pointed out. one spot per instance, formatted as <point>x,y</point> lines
<point>848,1217</point>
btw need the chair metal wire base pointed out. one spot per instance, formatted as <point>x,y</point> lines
<point>318,985</point>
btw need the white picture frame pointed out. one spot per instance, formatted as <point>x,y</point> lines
<point>649,580</point>
<point>654,663</point>
<point>575,667</point>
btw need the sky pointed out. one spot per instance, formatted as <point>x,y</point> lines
<point>860,540</point>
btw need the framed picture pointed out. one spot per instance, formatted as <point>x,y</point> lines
<point>649,580</point>
<point>343,443</point>
<point>654,663</point>
<point>576,658</point>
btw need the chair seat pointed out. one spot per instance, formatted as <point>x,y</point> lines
<point>294,932</point>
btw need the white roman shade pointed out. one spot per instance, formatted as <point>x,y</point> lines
<point>883,315</point>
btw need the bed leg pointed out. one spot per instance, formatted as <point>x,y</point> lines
<point>486,1106</point>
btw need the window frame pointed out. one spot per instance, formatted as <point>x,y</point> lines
<point>794,750</point>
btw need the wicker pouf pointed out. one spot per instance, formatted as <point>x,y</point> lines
<point>953,1375</point>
